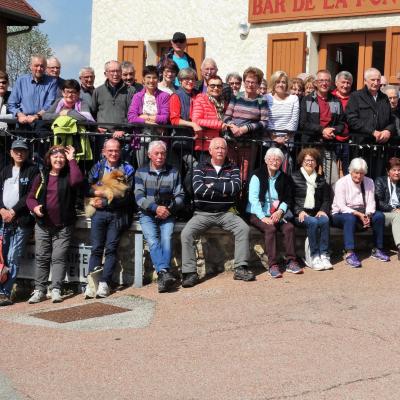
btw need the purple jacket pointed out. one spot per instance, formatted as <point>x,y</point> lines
<point>136,107</point>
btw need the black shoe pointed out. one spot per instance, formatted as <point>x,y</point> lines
<point>165,281</point>
<point>189,280</point>
<point>5,301</point>
<point>243,274</point>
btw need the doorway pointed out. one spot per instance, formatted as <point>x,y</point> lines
<point>353,52</point>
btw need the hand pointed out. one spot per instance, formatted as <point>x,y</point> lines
<point>162,212</point>
<point>196,128</point>
<point>224,126</point>
<point>281,139</point>
<point>31,118</point>
<point>118,134</point>
<point>102,130</point>
<point>97,203</point>
<point>302,216</point>
<point>277,215</point>
<point>38,211</point>
<point>21,118</point>
<point>234,129</point>
<point>328,133</point>
<point>99,193</point>
<point>396,210</point>
<point>7,215</point>
<point>70,152</point>
<point>64,112</point>
<point>385,136</point>
<point>267,220</point>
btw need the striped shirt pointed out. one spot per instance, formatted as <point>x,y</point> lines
<point>283,114</point>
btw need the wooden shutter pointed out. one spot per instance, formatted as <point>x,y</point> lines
<point>195,49</point>
<point>133,52</point>
<point>286,52</point>
<point>392,54</point>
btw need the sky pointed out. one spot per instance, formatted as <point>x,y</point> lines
<point>68,25</point>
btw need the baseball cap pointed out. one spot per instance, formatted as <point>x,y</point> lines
<point>179,37</point>
<point>19,144</point>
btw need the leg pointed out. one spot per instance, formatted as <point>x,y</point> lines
<point>166,231</point>
<point>393,219</point>
<point>348,223</point>
<point>98,234</point>
<point>43,251</point>
<point>311,225</point>
<point>289,239</point>
<point>323,224</point>
<point>378,228</point>
<point>61,239</point>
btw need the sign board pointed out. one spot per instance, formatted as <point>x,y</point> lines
<point>287,10</point>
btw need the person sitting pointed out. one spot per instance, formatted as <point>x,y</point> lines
<point>159,195</point>
<point>169,71</point>
<point>52,200</point>
<point>270,198</point>
<point>215,185</point>
<point>312,206</point>
<point>354,207</point>
<point>387,195</point>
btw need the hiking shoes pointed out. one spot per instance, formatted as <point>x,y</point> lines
<point>189,280</point>
<point>165,281</point>
<point>243,274</point>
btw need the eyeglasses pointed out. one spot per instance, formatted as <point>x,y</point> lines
<point>251,83</point>
<point>70,92</point>
<point>308,161</point>
<point>189,79</point>
<point>114,71</point>
<point>215,86</point>
<point>323,80</point>
<point>3,82</point>
<point>235,83</point>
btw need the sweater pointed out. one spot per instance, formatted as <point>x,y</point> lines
<point>283,114</point>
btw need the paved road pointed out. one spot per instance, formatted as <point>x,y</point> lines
<point>323,335</point>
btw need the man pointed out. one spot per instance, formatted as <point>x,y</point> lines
<point>177,54</point>
<point>384,82</point>
<point>215,185</point>
<point>54,69</point>
<point>128,75</point>
<point>15,183</point>
<point>209,70</point>
<point>109,220</point>
<point>86,78</point>
<point>322,119</point>
<point>32,94</point>
<point>159,195</point>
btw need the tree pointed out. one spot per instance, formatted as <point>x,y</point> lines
<point>21,47</point>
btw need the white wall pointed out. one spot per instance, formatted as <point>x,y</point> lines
<point>217,21</point>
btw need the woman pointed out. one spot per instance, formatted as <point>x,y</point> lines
<point>234,80</point>
<point>4,95</point>
<point>208,112</point>
<point>150,106</point>
<point>309,85</point>
<point>263,90</point>
<point>270,194</point>
<point>169,70</point>
<point>354,207</point>
<point>311,207</point>
<point>246,117</point>
<point>296,86</point>
<point>52,200</point>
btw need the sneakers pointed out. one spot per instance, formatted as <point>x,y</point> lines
<point>165,281</point>
<point>4,300</point>
<point>89,293</point>
<point>380,255</point>
<point>189,280</point>
<point>103,290</point>
<point>274,271</point>
<point>316,263</point>
<point>243,274</point>
<point>326,261</point>
<point>56,296</point>
<point>37,297</point>
<point>352,260</point>
<point>294,267</point>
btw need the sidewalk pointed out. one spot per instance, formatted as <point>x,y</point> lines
<point>321,335</point>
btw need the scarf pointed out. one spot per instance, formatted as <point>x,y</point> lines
<point>309,202</point>
<point>219,106</point>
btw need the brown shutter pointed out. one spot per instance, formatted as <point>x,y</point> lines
<point>392,54</point>
<point>195,49</point>
<point>286,52</point>
<point>133,52</point>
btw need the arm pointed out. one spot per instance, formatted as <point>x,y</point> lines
<point>254,201</point>
<point>162,108</point>
<point>229,111</point>
<point>136,109</point>
<point>340,198</point>
<point>293,123</point>
<point>353,116</point>
<point>21,204</point>
<point>75,175</point>
<point>326,199</point>
<point>178,192</point>
<point>380,195</point>
<point>370,207</point>
<point>198,115</point>
<point>14,101</point>
<point>174,109</point>
<point>52,94</point>
<point>51,114</point>
<point>231,187</point>
<point>340,120</point>
<point>141,194</point>
<point>31,201</point>
<point>304,122</point>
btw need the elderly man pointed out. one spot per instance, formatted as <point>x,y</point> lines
<point>128,75</point>
<point>159,195</point>
<point>216,184</point>
<point>86,79</point>
<point>32,94</point>
<point>54,69</point>
<point>322,118</point>
<point>110,219</point>
<point>209,70</point>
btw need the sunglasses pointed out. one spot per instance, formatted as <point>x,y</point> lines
<point>56,151</point>
<point>4,82</point>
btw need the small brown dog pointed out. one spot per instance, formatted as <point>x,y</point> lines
<point>113,185</point>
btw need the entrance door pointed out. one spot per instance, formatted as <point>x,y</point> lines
<point>353,52</point>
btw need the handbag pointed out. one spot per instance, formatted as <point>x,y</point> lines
<point>274,205</point>
<point>4,270</point>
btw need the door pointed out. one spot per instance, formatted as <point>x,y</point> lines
<point>353,52</point>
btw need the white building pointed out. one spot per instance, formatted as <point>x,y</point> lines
<point>290,35</point>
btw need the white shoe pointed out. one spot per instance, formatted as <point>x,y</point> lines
<point>316,263</point>
<point>89,293</point>
<point>37,297</point>
<point>103,290</point>
<point>56,296</point>
<point>326,262</point>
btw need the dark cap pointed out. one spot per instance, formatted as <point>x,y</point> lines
<point>19,144</point>
<point>179,37</point>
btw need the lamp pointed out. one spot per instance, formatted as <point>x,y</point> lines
<point>244,28</point>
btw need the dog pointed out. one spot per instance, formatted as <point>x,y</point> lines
<point>113,185</point>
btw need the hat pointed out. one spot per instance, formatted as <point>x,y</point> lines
<point>19,144</point>
<point>178,36</point>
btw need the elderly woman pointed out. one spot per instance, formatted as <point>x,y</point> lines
<point>392,92</point>
<point>263,89</point>
<point>270,197</point>
<point>296,86</point>
<point>354,207</point>
<point>169,70</point>
<point>309,85</point>
<point>52,201</point>
<point>387,195</point>
<point>311,207</point>
<point>246,117</point>
<point>234,80</point>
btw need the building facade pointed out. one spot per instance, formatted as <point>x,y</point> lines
<point>291,35</point>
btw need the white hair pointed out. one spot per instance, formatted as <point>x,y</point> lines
<point>84,69</point>
<point>345,75</point>
<point>207,61</point>
<point>156,143</point>
<point>213,140</point>
<point>274,152</point>
<point>370,71</point>
<point>358,165</point>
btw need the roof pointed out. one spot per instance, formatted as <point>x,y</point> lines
<point>19,12</point>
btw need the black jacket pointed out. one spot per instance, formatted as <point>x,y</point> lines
<point>365,115</point>
<point>27,173</point>
<point>322,194</point>
<point>382,194</point>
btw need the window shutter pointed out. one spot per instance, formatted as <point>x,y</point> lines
<point>133,52</point>
<point>195,49</point>
<point>392,54</point>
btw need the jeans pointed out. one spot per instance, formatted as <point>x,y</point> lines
<point>317,233</point>
<point>14,241</point>
<point>158,235</point>
<point>349,224</point>
<point>104,234</point>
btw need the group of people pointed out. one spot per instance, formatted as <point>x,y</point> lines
<point>218,129</point>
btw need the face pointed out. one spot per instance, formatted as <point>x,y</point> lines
<point>218,150</point>
<point>128,76</point>
<point>157,156</point>
<point>384,82</point>
<point>53,68</point>
<point>57,160</point>
<point>113,73</point>
<point>273,163</point>
<point>150,81</point>
<point>323,83</point>
<point>87,79</point>
<point>263,89</point>
<point>214,88</point>
<point>373,82</point>
<point>3,86</point>
<point>179,45</point>
<point>281,86</point>
<point>393,96</point>
<point>38,66</point>
<point>112,151</point>
<point>343,86</point>
<point>394,174</point>
<point>309,163</point>
<point>208,70</point>
<point>357,176</point>
<point>251,84</point>
<point>296,89</point>
<point>309,88</point>
<point>169,76</point>
<point>19,155</point>
<point>235,84</point>
<point>188,83</point>
<point>70,96</point>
